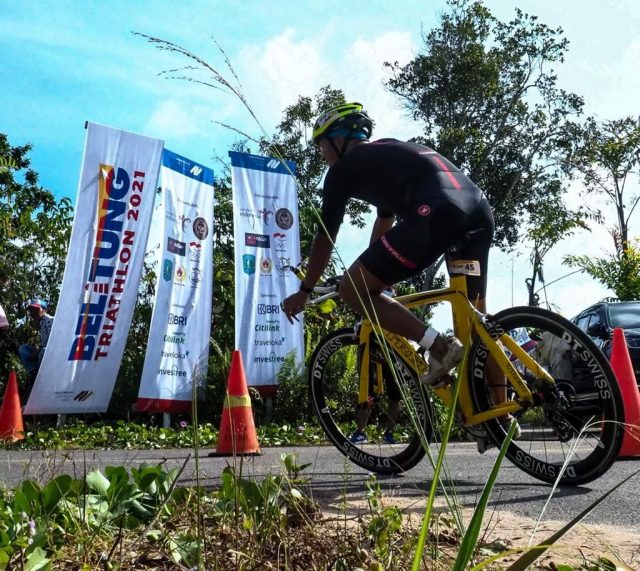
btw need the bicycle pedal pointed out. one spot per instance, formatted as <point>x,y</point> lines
<point>483,445</point>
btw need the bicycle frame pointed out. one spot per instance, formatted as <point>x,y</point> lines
<point>467,323</point>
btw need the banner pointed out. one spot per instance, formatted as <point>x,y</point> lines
<point>100,285</point>
<point>267,241</point>
<point>178,348</point>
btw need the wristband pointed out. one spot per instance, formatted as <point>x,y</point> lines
<point>305,289</point>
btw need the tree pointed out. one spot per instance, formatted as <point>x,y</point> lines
<point>34,232</point>
<point>607,155</point>
<point>550,222</point>
<point>486,93</point>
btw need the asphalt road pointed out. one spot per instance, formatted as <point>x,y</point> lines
<point>334,479</point>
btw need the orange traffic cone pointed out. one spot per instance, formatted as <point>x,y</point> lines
<point>622,367</point>
<point>237,430</point>
<point>11,426</point>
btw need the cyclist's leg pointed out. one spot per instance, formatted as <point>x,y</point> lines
<point>478,250</point>
<point>402,252</point>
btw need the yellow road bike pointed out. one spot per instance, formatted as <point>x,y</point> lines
<point>559,386</point>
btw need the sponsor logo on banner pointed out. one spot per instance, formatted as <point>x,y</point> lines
<point>268,295</point>
<point>280,242</point>
<point>175,319</point>
<point>167,270</point>
<point>175,338</point>
<point>176,247</point>
<point>256,240</point>
<point>185,221</point>
<point>172,372</point>
<point>174,354</point>
<point>262,216</point>
<point>265,266</point>
<point>271,358</point>
<point>266,308</point>
<point>181,275</point>
<point>200,228</point>
<point>97,315</point>
<point>249,264</point>
<point>195,277</point>
<point>83,396</point>
<point>284,218</point>
<point>271,326</point>
<point>195,251</point>
<point>282,265</point>
<point>268,342</point>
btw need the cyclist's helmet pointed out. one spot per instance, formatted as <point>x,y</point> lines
<point>348,120</point>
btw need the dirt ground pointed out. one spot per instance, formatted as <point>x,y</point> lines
<point>503,531</point>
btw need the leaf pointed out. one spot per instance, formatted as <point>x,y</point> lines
<point>98,482</point>
<point>37,560</point>
<point>473,531</point>
<point>55,490</point>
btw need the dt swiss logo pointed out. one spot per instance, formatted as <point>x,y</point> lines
<point>424,210</point>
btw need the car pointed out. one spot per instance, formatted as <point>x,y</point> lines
<point>599,320</point>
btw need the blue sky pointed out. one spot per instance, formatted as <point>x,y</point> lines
<point>62,63</point>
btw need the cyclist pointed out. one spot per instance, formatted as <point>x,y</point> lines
<point>433,205</point>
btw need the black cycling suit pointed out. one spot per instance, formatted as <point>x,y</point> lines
<point>436,205</point>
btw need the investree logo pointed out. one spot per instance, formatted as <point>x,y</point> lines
<point>175,372</point>
<point>271,358</point>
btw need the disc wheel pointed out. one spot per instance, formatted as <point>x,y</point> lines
<point>334,385</point>
<point>577,421</point>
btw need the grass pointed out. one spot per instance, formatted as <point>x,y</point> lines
<point>142,518</point>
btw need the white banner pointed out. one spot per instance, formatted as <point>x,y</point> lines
<point>100,285</point>
<point>178,348</point>
<point>267,241</point>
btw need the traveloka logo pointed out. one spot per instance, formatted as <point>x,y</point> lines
<point>273,164</point>
<point>167,270</point>
<point>249,264</point>
<point>196,170</point>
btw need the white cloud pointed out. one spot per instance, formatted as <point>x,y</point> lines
<point>173,119</point>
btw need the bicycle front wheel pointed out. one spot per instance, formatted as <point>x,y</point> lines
<point>395,421</point>
<point>577,421</point>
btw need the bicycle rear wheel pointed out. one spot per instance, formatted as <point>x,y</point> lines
<point>578,421</point>
<point>334,385</point>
